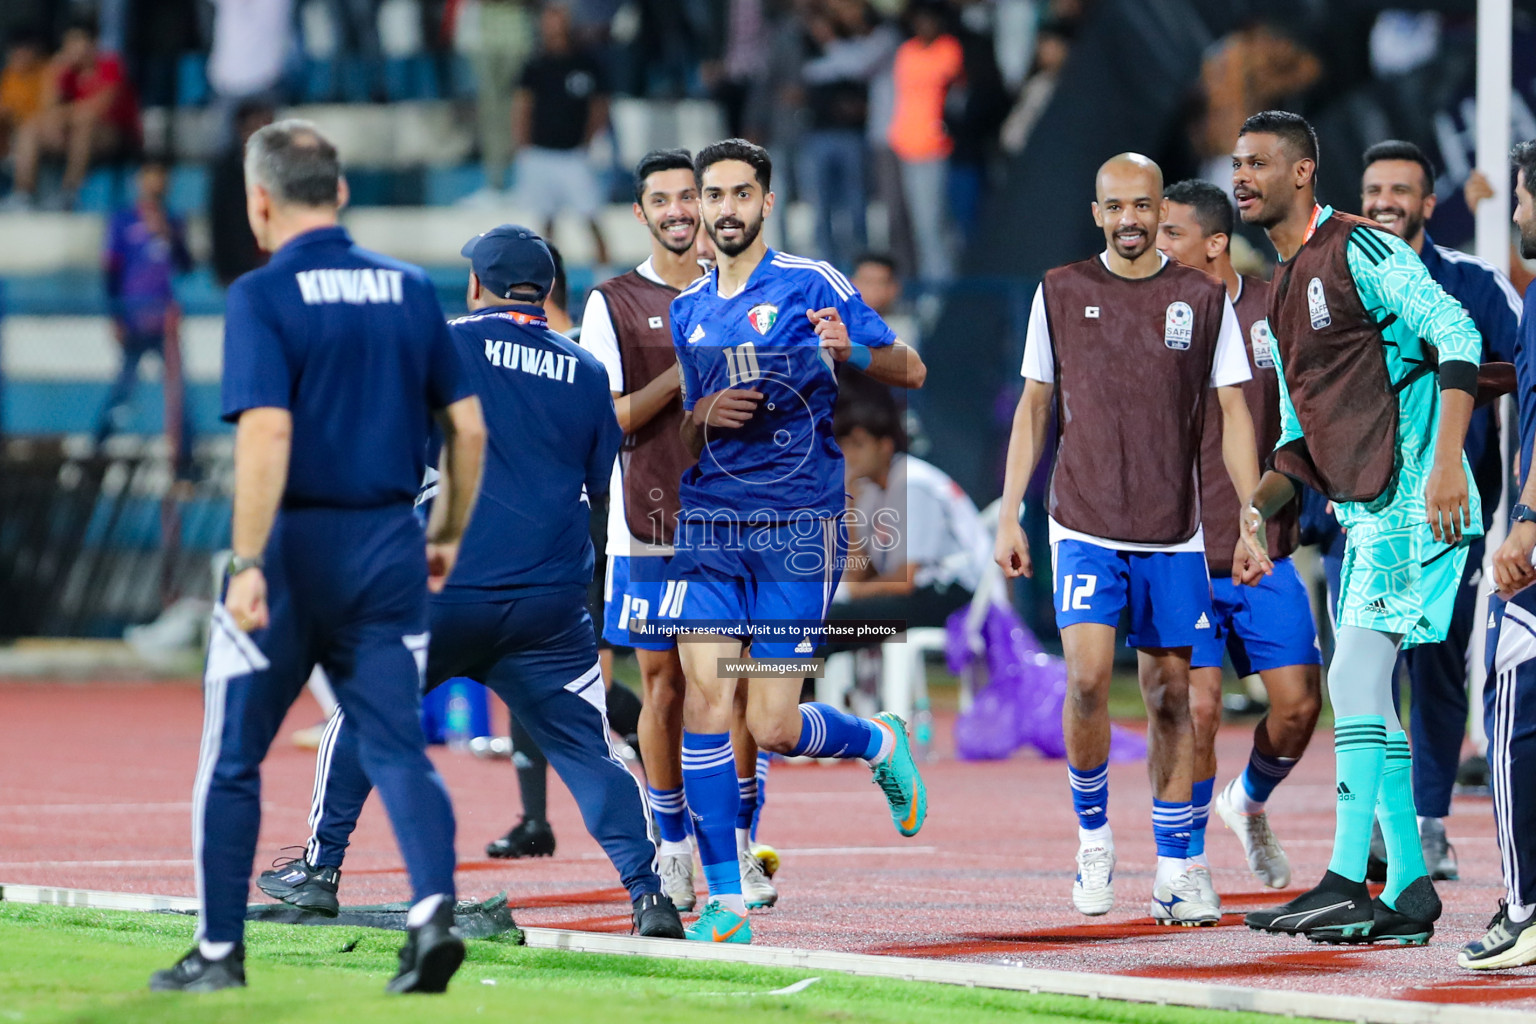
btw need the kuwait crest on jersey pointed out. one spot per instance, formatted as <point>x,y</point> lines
<point>762,317</point>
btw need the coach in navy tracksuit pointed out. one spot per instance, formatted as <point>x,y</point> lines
<point>1509,698</point>
<point>336,360</point>
<point>514,615</point>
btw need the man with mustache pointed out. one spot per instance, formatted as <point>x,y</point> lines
<point>1397,191</point>
<point>760,539</point>
<point>1510,695</point>
<point>1129,343</point>
<point>1378,367</point>
<point>627,326</point>
<point>1266,629</point>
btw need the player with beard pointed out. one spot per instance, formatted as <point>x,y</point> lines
<point>1128,344</point>
<point>1510,698</point>
<point>760,540</point>
<point>1378,372</point>
<point>1397,191</point>
<point>1266,629</point>
<point>627,326</point>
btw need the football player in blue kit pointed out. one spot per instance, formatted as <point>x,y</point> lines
<point>760,537</point>
<point>514,615</point>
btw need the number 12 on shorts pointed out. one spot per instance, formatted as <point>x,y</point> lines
<point>1076,589</point>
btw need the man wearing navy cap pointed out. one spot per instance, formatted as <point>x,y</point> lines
<point>336,360</point>
<point>514,616</point>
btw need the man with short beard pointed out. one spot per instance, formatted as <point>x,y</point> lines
<point>627,325</point>
<point>1397,191</point>
<point>1378,369</point>
<point>760,539</point>
<point>1509,699</point>
<point>1129,344</point>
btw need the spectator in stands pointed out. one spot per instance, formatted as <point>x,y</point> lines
<point>974,111</point>
<point>560,106</point>
<point>89,113</point>
<point>927,65</point>
<point>22,85</point>
<point>235,251</point>
<point>251,44</point>
<point>1053,44</point>
<point>156,36</point>
<point>875,276</point>
<point>145,247</point>
<point>916,545</point>
<point>850,47</point>
<point>498,50</point>
<point>736,79</point>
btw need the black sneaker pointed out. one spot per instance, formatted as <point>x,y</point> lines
<point>300,884</point>
<point>431,954</point>
<point>1472,776</point>
<point>1336,904</point>
<point>1439,854</point>
<point>1410,923</point>
<point>656,917</point>
<point>1376,861</point>
<point>196,973</point>
<point>1506,944</point>
<point>528,838</point>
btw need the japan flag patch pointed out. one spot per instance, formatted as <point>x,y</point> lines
<point>1317,304</point>
<point>1178,326</point>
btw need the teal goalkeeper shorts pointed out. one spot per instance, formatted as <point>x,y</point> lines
<point>1400,581</point>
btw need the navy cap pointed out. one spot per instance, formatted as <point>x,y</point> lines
<point>508,256</point>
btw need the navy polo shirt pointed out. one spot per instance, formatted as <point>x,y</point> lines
<point>354,345</point>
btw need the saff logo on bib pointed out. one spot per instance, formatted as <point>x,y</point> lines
<point>1178,326</point>
<point>762,317</point>
<point>1262,341</point>
<point>1317,304</point>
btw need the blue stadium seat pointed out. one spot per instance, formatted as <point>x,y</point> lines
<point>447,185</point>
<point>188,193</point>
<point>319,81</point>
<point>104,190</point>
<point>410,78</point>
<point>192,80</point>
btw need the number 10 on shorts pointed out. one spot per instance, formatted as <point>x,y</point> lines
<point>1076,589</point>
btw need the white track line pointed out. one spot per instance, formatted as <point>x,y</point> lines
<point>944,972</point>
<point>182,862</point>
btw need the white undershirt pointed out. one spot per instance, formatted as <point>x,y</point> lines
<point>1230,367</point>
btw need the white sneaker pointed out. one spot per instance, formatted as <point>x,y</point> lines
<point>1180,901</point>
<point>755,887</point>
<point>1207,886</point>
<point>1266,859</point>
<point>1093,890</point>
<point>677,879</point>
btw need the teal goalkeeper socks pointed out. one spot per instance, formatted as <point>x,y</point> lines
<point>1360,752</point>
<point>1399,821</point>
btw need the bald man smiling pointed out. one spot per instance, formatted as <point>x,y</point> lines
<point>1130,345</point>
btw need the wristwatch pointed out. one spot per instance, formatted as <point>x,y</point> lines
<point>238,565</point>
<point>1522,514</point>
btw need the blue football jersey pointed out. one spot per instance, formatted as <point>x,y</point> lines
<point>785,460</point>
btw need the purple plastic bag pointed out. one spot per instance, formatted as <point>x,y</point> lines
<point>1022,702</point>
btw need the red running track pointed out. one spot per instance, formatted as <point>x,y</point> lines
<point>95,784</point>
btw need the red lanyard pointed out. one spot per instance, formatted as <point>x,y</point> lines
<point>1317,211</point>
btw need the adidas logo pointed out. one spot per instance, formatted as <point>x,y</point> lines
<point>1491,620</point>
<point>1203,622</point>
<point>1344,792</point>
<point>1378,606</point>
<point>697,335</point>
<point>804,647</point>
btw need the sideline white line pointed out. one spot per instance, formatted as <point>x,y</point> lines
<point>944,972</point>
